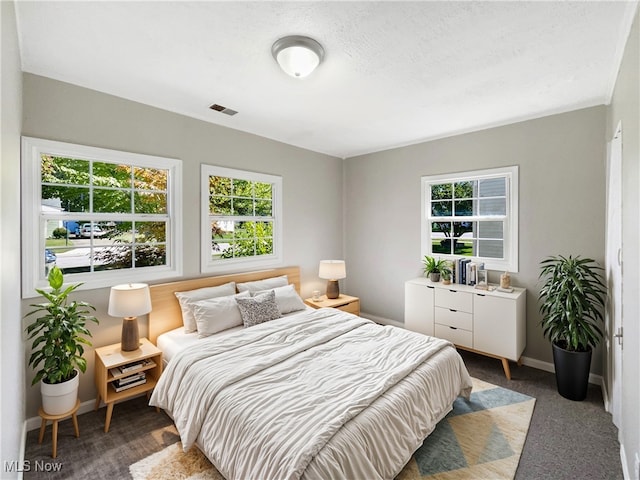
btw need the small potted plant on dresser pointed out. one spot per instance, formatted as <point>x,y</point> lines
<point>572,299</point>
<point>434,268</point>
<point>57,347</point>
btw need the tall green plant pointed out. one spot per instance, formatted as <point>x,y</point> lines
<point>58,344</point>
<point>572,299</point>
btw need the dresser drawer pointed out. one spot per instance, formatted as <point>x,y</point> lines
<point>455,300</point>
<point>457,336</point>
<point>454,318</point>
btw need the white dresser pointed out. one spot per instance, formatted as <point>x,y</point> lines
<point>492,323</point>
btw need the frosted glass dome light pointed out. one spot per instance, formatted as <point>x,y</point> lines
<point>297,55</point>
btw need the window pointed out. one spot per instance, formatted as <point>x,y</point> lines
<point>102,216</point>
<point>241,219</point>
<point>472,214</point>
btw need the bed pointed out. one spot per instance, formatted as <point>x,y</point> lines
<point>308,394</point>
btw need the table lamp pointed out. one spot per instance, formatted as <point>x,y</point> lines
<point>129,301</point>
<point>332,270</point>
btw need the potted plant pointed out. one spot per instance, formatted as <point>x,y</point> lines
<point>434,268</point>
<point>58,342</point>
<point>572,299</point>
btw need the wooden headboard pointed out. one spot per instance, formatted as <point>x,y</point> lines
<point>165,310</point>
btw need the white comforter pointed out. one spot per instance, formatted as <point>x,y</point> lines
<point>323,394</point>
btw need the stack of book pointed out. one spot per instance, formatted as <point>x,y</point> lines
<point>465,271</point>
<point>129,382</point>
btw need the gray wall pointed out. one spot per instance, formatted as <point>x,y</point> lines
<point>12,408</point>
<point>562,206</point>
<point>625,108</point>
<point>312,182</point>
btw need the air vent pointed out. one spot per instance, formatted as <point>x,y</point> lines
<point>221,109</point>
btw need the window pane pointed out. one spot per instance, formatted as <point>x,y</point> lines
<point>263,190</point>
<point>490,248</point>
<point>493,206</point>
<point>150,202</point>
<point>492,187</point>
<point>111,201</point>
<point>150,178</point>
<point>111,175</point>
<point>263,208</point>
<point>64,170</point>
<point>465,248</point>
<point>151,232</point>
<point>443,228</point>
<point>69,199</point>
<point>464,189</point>
<point>242,206</point>
<point>441,209</point>
<point>490,230</point>
<point>242,188</point>
<point>463,208</point>
<point>463,229</point>
<point>441,191</point>
<point>220,186</point>
<point>441,246</point>
<point>220,205</point>
<point>150,255</point>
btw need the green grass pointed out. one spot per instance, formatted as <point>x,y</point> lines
<point>59,244</point>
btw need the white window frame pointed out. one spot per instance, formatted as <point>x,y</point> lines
<point>207,264</point>
<point>34,220</point>
<point>510,234</point>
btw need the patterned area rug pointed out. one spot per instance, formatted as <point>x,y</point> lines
<point>481,438</point>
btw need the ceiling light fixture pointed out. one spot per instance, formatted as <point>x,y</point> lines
<point>297,55</point>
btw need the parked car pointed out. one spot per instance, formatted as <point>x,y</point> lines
<point>87,230</point>
<point>49,260</point>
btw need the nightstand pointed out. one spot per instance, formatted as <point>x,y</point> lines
<point>108,361</point>
<point>345,303</point>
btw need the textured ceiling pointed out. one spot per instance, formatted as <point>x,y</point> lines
<point>395,73</point>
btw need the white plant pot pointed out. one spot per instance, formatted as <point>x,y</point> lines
<point>59,398</point>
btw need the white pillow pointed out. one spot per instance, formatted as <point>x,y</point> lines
<point>217,314</point>
<point>266,284</point>
<point>287,299</point>
<point>186,299</point>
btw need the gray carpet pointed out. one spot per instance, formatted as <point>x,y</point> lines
<point>566,440</point>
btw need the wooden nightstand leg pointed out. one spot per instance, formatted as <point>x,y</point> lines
<point>55,438</point>
<point>505,366</point>
<point>97,402</point>
<point>75,425</point>
<point>43,426</point>
<point>107,421</point>
<point>519,363</point>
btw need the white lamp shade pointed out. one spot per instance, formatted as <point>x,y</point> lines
<point>332,269</point>
<point>129,300</point>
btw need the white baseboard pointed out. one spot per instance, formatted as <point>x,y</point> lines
<point>625,469</point>
<point>529,362</point>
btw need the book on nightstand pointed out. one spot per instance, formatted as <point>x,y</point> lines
<point>130,381</point>
<point>118,387</point>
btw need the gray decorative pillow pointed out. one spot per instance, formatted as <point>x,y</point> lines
<point>258,309</point>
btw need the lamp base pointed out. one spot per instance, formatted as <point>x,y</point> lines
<point>333,289</point>
<point>130,337</point>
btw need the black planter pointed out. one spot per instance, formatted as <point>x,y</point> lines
<point>572,372</point>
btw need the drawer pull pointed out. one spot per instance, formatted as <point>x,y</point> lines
<point>429,286</point>
<point>453,291</point>
<point>481,294</point>
<point>453,328</point>
<point>452,310</point>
